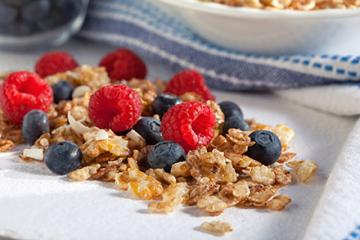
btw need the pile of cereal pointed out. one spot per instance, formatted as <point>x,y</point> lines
<point>170,144</point>
<point>302,5</point>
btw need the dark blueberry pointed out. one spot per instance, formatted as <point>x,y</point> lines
<point>8,14</point>
<point>56,19</point>
<point>235,122</point>
<point>63,157</point>
<point>267,148</point>
<point>164,102</point>
<point>35,10</point>
<point>149,129</point>
<point>165,154</point>
<point>69,8</point>
<point>16,3</point>
<point>35,123</point>
<point>62,91</point>
<point>21,29</point>
<point>230,108</point>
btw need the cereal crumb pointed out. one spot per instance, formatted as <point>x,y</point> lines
<point>278,203</point>
<point>216,227</point>
<point>304,170</point>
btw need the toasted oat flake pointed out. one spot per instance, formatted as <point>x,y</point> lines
<point>216,227</point>
<point>212,205</point>
<point>203,187</point>
<point>284,133</point>
<point>84,173</point>
<point>173,196</point>
<point>34,153</point>
<point>286,156</point>
<point>143,186</point>
<point>6,145</point>
<point>180,169</point>
<point>233,194</point>
<point>259,194</point>
<point>278,203</point>
<point>262,174</point>
<point>304,170</point>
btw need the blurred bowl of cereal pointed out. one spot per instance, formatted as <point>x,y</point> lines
<point>273,27</point>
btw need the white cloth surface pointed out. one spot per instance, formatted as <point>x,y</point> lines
<point>338,209</point>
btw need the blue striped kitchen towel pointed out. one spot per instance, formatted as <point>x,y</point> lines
<point>139,25</point>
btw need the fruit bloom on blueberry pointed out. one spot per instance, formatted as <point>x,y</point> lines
<point>231,109</point>
<point>235,122</point>
<point>149,129</point>
<point>62,91</point>
<point>267,148</point>
<point>163,102</point>
<point>165,154</point>
<point>63,157</point>
<point>35,124</point>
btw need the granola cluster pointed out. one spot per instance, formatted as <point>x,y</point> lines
<point>302,5</point>
<point>213,178</point>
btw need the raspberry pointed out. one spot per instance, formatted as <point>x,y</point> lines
<point>190,124</point>
<point>115,107</point>
<point>189,81</point>
<point>123,64</point>
<point>22,92</point>
<point>55,62</point>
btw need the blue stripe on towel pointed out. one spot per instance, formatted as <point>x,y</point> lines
<point>354,235</point>
<point>139,25</point>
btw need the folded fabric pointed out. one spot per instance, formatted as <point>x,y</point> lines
<point>151,32</point>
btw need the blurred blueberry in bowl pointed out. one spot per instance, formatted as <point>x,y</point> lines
<point>30,24</point>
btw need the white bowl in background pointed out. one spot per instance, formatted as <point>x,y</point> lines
<point>271,32</point>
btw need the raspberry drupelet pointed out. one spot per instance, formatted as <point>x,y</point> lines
<point>22,92</point>
<point>115,107</point>
<point>55,62</point>
<point>189,81</point>
<point>123,64</point>
<point>190,124</point>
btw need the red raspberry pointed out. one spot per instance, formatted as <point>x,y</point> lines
<point>55,62</point>
<point>190,124</point>
<point>189,81</point>
<point>123,64</point>
<point>116,107</point>
<point>22,92</point>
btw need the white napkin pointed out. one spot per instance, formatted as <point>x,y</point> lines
<point>338,211</point>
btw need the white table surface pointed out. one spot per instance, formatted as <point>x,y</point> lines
<point>34,204</point>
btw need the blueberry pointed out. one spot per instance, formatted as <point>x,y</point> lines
<point>62,91</point>
<point>35,10</point>
<point>235,122</point>
<point>267,148</point>
<point>35,123</point>
<point>164,102</point>
<point>230,108</point>
<point>21,29</point>
<point>69,8</point>
<point>165,154</point>
<point>63,157</point>
<point>8,14</point>
<point>149,129</point>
